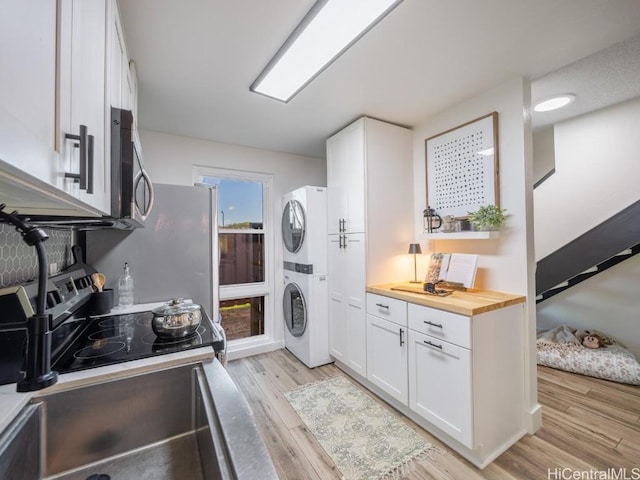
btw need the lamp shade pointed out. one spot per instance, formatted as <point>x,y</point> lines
<point>414,248</point>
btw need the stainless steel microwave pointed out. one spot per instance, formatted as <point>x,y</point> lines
<point>131,187</point>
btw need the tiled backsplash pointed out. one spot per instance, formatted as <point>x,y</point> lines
<point>19,262</point>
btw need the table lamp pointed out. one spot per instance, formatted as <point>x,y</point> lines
<point>414,248</point>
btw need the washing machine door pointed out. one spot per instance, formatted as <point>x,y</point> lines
<point>293,225</point>
<point>295,310</point>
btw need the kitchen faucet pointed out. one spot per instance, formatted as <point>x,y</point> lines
<point>38,373</point>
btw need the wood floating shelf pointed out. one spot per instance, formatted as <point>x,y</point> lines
<point>465,235</point>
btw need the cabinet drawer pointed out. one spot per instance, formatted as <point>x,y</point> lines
<point>450,327</point>
<point>388,308</point>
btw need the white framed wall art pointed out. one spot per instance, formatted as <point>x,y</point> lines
<point>462,167</point>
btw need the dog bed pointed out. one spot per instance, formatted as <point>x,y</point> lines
<point>562,348</point>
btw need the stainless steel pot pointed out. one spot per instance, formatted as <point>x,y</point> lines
<point>176,319</point>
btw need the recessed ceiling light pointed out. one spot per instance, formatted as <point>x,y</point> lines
<point>555,102</point>
<point>326,31</point>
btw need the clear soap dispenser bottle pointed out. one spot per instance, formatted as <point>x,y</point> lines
<point>125,288</point>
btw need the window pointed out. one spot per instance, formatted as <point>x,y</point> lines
<point>244,234</point>
<point>242,317</point>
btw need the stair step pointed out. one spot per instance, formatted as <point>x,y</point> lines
<point>589,270</point>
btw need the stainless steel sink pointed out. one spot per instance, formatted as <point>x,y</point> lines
<point>186,423</point>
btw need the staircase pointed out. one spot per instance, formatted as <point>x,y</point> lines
<point>613,241</point>
<point>581,277</point>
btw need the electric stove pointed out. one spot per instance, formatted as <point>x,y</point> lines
<point>114,339</point>
<point>80,340</point>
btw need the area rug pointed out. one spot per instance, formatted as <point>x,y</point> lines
<point>365,439</point>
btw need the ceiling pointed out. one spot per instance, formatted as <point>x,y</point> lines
<point>196,59</point>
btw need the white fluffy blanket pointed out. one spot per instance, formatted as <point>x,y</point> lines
<point>565,334</point>
<point>561,348</point>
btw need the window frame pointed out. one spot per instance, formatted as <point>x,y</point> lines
<point>247,290</point>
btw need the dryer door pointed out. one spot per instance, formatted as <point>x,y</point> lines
<point>293,225</point>
<point>295,310</point>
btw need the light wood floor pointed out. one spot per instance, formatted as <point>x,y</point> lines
<point>589,424</point>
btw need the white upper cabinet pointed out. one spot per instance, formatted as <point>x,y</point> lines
<point>132,91</point>
<point>83,142</point>
<point>28,87</point>
<point>121,82</point>
<point>64,64</point>
<point>346,180</point>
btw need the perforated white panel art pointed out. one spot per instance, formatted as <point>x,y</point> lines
<point>462,167</point>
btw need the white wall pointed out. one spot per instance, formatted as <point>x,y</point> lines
<point>171,158</point>
<point>543,153</point>
<point>507,263</point>
<point>597,175</point>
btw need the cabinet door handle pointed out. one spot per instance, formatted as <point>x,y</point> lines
<point>439,325</point>
<point>382,306</point>
<point>344,241</point>
<point>401,339</point>
<point>89,171</point>
<point>344,225</point>
<point>432,344</point>
<point>83,145</point>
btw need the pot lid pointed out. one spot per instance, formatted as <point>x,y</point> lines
<point>176,306</point>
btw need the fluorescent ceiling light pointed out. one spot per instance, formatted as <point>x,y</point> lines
<point>555,102</point>
<point>330,28</point>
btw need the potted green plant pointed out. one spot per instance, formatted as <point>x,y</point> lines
<point>487,217</point>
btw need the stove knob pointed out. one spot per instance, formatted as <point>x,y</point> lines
<point>53,298</point>
<point>51,302</point>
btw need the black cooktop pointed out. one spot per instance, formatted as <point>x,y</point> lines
<point>122,338</point>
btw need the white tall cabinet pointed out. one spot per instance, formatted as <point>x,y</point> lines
<point>370,224</point>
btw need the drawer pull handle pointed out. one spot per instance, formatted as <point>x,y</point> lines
<point>439,325</point>
<point>382,306</point>
<point>432,344</point>
<point>401,339</point>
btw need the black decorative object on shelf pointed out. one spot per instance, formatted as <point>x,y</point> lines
<point>432,221</point>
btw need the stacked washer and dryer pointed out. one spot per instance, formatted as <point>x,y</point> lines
<point>305,297</point>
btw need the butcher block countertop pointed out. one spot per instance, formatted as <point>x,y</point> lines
<point>469,303</point>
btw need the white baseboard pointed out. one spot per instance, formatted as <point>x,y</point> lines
<point>533,421</point>
<point>242,351</point>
